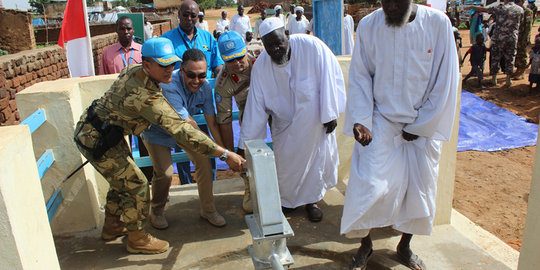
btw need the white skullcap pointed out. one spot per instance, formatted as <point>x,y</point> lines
<point>276,8</point>
<point>269,25</point>
<point>298,8</point>
<point>201,14</point>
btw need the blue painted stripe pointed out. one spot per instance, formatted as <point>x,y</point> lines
<point>35,120</point>
<point>45,162</point>
<point>53,204</point>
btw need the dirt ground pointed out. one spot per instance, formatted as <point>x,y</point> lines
<point>491,188</point>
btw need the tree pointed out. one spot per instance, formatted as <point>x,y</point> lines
<point>39,5</point>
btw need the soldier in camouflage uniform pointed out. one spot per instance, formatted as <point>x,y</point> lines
<point>508,17</point>
<point>532,6</point>
<point>233,81</point>
<point>523,40</point>
<point>131,105</point>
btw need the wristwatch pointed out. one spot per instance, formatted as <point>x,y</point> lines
<point>224,156</point>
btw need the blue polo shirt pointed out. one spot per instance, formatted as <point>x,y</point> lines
<point>185,103</point>
<point>202,40</point>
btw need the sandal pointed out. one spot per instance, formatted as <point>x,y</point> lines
<point>413,262</point>
<point>358,265</point>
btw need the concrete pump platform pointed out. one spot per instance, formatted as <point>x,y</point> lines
<point>195,244</point>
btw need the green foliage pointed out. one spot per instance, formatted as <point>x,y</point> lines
<point>126,3</point>
<point>463,26</point>
<point>39,46</point>
<point>39,5</point>
<point>3,52</point>
<point>224,3</point>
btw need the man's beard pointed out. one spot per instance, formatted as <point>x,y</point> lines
<point>401,21</point>
<point>282,60</point>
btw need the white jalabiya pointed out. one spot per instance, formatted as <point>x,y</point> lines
<point>300,96</point>
<point>288,18</point>
<point>221,24</point>
<point>203,25</point>
<point>282,19</point>
<point>348,34</point>
<point>298,27</point>
<point>401,79</point>
<point>257,31</point>
<point>241,25</point>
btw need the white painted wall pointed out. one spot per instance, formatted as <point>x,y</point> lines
<point>64,101</point>
<point>529,259</point>
<point>25,235</point>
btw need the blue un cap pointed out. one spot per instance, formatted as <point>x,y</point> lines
<point>161,50</point>
<point>231,45</point>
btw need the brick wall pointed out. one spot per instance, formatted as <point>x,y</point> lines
<point>21,70</point>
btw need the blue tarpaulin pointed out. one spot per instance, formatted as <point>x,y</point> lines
<point>483,126</point>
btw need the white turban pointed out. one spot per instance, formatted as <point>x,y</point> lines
<point>276,8</point>
<point>269,25</point>
<point>298,8</point>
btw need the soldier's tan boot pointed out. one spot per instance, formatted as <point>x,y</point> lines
<point>508,81</point>
<point>247,204</point>
<point>113,227</point>
<point>140,241</point>
<point>494,80</point>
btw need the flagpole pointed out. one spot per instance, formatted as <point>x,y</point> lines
<point>88,40</point>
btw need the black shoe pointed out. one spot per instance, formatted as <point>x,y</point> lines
<point>314,213</point>
<point>286,210</point>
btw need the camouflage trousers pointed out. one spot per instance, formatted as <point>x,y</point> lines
<point>521,55</point>
<point>128,194</point>
<point>503,49</point>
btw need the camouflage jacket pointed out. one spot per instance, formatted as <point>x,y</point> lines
<point>525,26</point>
<point>232,84</point>
<point>135,101</point>
<point>507,20</point>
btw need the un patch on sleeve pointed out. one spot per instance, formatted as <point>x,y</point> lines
<point>218,98</point>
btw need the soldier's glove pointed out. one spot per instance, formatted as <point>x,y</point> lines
<point>330,126</point>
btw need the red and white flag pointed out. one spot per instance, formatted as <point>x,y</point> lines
<point>76,33</point>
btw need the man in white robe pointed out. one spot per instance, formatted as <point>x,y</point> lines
<point>279,13</point>
<point>223,23</point>
<point>402,94</point>
<point>348,34</point>
<point>299,24</point>
<point>201,23</point>
<point>240,23</point>
<point>258,24</point>
<point>298,81</point>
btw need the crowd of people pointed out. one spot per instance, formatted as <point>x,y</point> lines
<point>509,32</point>
<point>398,110</point>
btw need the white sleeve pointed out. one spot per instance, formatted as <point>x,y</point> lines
<point>332,85</point>
<point>255,115</point>
<point>360,101</point>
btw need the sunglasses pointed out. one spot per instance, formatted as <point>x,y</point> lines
<point>193,75</point>
<point>192,15</point>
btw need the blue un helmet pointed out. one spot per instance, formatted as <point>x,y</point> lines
<point>161,50</point>
<point>231,45</point>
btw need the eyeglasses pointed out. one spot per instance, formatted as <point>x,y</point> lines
<point>236,59</point>
<point>193,75</point>
<point>192,15</point>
